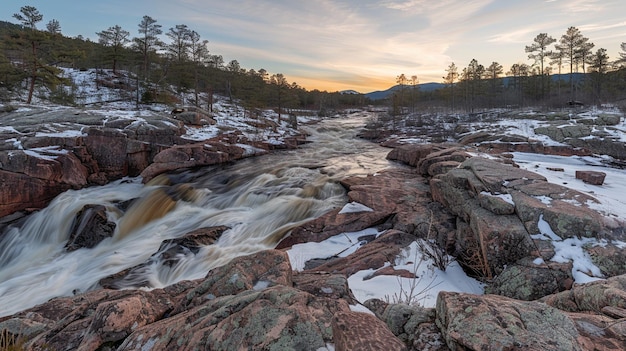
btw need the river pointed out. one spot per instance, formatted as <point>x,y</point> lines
<point>260,199</point>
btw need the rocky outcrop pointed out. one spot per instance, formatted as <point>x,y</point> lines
<point>251,302</point>
<point>498,207</point>
<point>469,322</point>
<point>53,151</point>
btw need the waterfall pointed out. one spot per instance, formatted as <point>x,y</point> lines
<point>259,200</point>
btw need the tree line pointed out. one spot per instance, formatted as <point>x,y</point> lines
<point>30,59</point>
<point>564,72</point>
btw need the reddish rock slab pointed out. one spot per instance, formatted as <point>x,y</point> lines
<point>361,331</point>
<point>591,177</point>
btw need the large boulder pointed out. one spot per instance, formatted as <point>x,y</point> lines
<point>471,322</point>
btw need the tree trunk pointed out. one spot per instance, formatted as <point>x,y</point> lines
<point>33,76</point>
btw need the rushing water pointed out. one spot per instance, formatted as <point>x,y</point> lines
<point>260,199</point>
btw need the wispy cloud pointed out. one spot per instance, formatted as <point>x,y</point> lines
<point>360,44</point>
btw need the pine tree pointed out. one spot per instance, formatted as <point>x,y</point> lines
<point>538,51</point>
<point>452,74</point>
<point>115,38</point>
<point>30,16</point>
<point>148,42</point>
<point>570,45</point>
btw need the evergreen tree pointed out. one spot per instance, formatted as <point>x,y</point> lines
<point>538,51</point>
<point>114,38</point>
<point>493,73</point>
<point>599,66</point>
<point>148,42</point>
<point>53,27</point>
<point>452,74</point>
<point>570,45</point>
<point>30,16</point>
<point>622,55</point>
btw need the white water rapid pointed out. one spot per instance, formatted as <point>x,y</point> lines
<point>259,199</point>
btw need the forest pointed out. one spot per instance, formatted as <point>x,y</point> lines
<point>564,71</point>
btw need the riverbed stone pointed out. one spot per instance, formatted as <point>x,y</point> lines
<point>90,227</point>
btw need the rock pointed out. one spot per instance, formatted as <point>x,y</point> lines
<point>89,321</point>
<point>444,155</point>
<point>591,177</point>
<point>410,154</point>
<point>193,155</point>
<point>609,259</point>
<point>503,239</point>
<point>90,227</point>
<point>276,318</point>
<point>362,331</point>
<point>169,254</point>
<point>565,211</point>
<point>562,132</point>
<point>371,256</point>
<point>414,325</point>
<point>477,137</point>
<point>196,239</point>
<point>22,192</point>
<point>325,285</point>
<point>471,322</point>
<point>253,272</point>
<point>331,224</point>
<point>527,281</point>
<point>442,167</point>
<point>496,204</point>
<point>598,332</point>
<point>591,297</point>
<point>399,200</point>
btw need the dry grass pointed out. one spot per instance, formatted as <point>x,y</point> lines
<point>10,342</point>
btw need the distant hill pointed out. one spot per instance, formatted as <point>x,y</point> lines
<point>383,94</point>
<point>428,87</point>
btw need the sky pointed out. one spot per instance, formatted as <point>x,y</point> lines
<point>351,44</point>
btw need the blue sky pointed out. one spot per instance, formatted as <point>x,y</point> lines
<point>351,44</point>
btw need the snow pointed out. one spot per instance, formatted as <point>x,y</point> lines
<point>570,250</point>
<point>421,290</point>
<point>610,195</point>
<point>506,197</point>
<point>354,207</point>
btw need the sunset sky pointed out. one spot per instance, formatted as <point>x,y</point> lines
<point>351,44</point>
